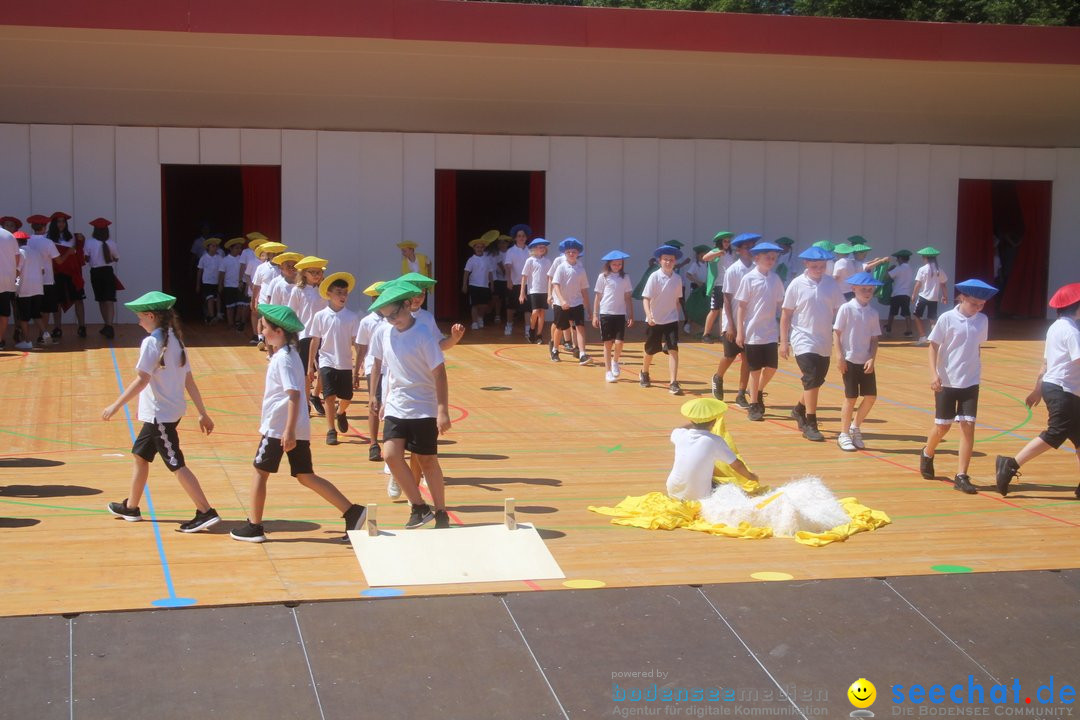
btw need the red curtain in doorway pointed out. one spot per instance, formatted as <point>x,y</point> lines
<point>447,298</point>
<point>537,200</point>
<point>262,199</point>
<point>1025,293</point>
<point>975,231</point>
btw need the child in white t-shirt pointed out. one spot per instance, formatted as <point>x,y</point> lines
<point>570,298</point>
<point>758,300</point>
<point>209,284</point>
<point>928,291</point>
<point>613,310</point>
<point>955,367</point>
<point>231,276</point>
<point>368,326</point>
<point>716,262</point>
<point>697,450</point>
<point>856,332</point>
<point>660,299</point>
<point>742,244</point>
<point>534,287</point>
<point>164,375</point>
<point>260,284</point>
<point>306,300</point>
<point>514,264</point>
<point>332,331</point>
<point>477,282</point>
<point>9,264</point>
<point>286,427</point>
<point>903,284</point>
<point>281,287</point>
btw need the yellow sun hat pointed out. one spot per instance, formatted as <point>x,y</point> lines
<point>256,235</point>
<point>257,242</point>
<point>235,241</point>
<point>374,288</point>
<point>287,257</point>
<point>407,244</point>
<point>324,286</point>
<point>489,237</point>
<point>478,243</point>
<point>702,410</point>
<point>311,263</point>
<point>211,241</point>
<point>273,247</point>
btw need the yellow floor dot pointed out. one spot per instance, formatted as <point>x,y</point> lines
<point>771,576</point>
<point>584,584</point>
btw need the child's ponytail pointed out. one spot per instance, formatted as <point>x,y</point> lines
<point>168,320</point>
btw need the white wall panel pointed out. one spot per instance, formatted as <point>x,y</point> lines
<point>529,153</point>
<point>337,207</point>
<point>178,146</point>
<point>976,162</point>
<point>747,186</point>
<point>603,228</point>
<point>712,187</point>
<point>94,153</point>
<point>676,192</point>
<point>912,197</point>
<point>51,170</point>
<point>1007,163</point>
<point>372,252</point>
<point>299,185</point>
<point>15,171</point>
<point>848,186</point>
<point>137,225</point>
<point>1040,163</point>
<point>454,152</point>
<point>260,147</point>
<point>945,177</point>
<point>815,192</point>
<point>879,200</point>
<point>418,190</point>
<point>641,179</point>
<point>782,192</point>
<point>1065,219</point>
<point>566,188</point>
<point>491,152</point>
<point>219,146</point>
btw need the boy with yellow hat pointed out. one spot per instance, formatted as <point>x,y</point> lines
<point>332,331</point>
<point>697,450</point>
<point>208,284</point>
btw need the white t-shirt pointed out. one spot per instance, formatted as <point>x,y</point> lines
<point>49,277</point>
<point>305,302</point>
<point>958,337</point>
<point>9,251</point>
<point>732,277</point>
<point>535,271</point>
<point>280,291</point>
<point>573,282</point>
<point>857,324</point>
<point>1062,353</point>
<point>284,373</point>
<point>408,359</point>
<point>557,263</point>
<point>763,295</point>
<point>931,278</point>
<point>210,265</point>
<point>37,256</point>
<point>695,272</point>
<point>364,332</point>
<point>696,452</point>
<point>231,265</point>
<point>248,262</point>
<point>264,273</point>
<point>515,258</point>
<point>95,253</point>
<point>427,321</point>
<point>336,332</point>
<point>198,248</point>
<point>663,292</point>
<point>498,265</point>
<point>163,399</point>
<point>903,280</point>
<point>612,290</point>
<point>479,270</point>
<point>844,268</point>
<point>813,306</point>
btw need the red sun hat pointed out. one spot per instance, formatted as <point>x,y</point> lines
<point>59,214</point>
<point>100,223</point>
<point>37,220</point>
<point>1065,296</point>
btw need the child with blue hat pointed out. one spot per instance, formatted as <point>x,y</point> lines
<point>956,366</point>
<point>533,293</point>
<point>516,257</point>
<point>567,335</point>
<point>660,299</point>
<point>758,300</point>
<point>613,310</point>
<point>570,297</point>
<point>856,332</point>
<point>742,244</point>
<point>716,262</point>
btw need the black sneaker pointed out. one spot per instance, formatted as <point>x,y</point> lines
<point>741,401</point>
<point>121,510</point>
<point>708,339</point>
<point>342,423</point>
<point>442,520</point>
<point>583,359</point>
<point>718,387</point>
<point>643,379</point>
<point>81,332</point>
<point>249,533</point>
<point>254,340</point>
<point>811,432</point>
<point>963,483</point>
<point>1007,469</point>
<point>331,437</point>
<point>539,340</point>
<point>355,517</point>
<point>3,345</point>
<point>799,413</point>
<point>926,465</point>
<point>554,352</point>
<point>756,412</point>
<point>888,329</point>
<point>674,388</point>
<point>109,332</point>
<point>316,403</point>
<point>568,346</point>
<point>374,453</point>
<point>201,521</point>
<point>57,332</point>
<point>420,516</point>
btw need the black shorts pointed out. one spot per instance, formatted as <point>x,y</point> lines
<point>498,289</point>
<point>28,308</point>
<point>859,382</point>
<point>103,281</point>
<point>512,296</point>
<point>421,435</point>
<point>159,439</point>
<point>479,295</point>
<point>230,296</point>
<point>731,350</point>
<point>924,305</point>
<point>900,305</point>
<point>49,302</point>
<point>961,404</point>
<point>336,383</point>
<point>766,355</point>
<point>7,302</point>
<point>1063,422</point>
<point>563,318</point>
<point>659,336</point>
<point>208,291</point>
<point>66,292</point>
<point>612,327</point>
<point>716,298</point>
<point>303,346</point>
<point>538,301</point>
<point>814,369</point>
<point>268,456</point>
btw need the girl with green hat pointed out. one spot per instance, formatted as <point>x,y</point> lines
<point>928,291</point>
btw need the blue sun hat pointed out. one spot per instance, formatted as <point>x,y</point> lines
<point>744,238</point>
<point>520,226</point>
<point>766,247</point>
<point>667,250</point>
<point>571,243</point>
<point>976,289</point>
<point>816,253</point>
<point>615,255</point>
<point>538,242</point>
<point>864,279</point>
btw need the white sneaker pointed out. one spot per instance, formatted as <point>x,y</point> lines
<point>508,330</point>
<point>844,441</point>
<point>24,345</point>
<point>475,326</point>
<point>45,339</point>
<point>497,319</point>
<point>481,323</point>
<point>686,327</point>
<point>615,369</point>
<point>609,376</point>
<point>386,469</point>
<point>923,341</point>
<point>856,438</point>
<point>392,489</point>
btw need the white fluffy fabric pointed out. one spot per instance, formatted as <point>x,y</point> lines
<point>802,505</point>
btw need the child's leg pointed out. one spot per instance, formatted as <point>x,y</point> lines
<point>710,320</point>
<point>810,398</point>
<point>434,474</point>
<point>107,309</point>
<point>80,313</point>
<point>766,375</point>
<point>579,331</point>
<point>394,456</point>
<point>326,490</point>
<point>936,435</point>
<point>617,350</point>
<point>191,486</point>
<point>754,386</point>
<point>673,365</point>
<point>723,365</point>
<point>744,375</point>
<point>1035,447</point>
<point>373,425</point>
<point>258,497</point>
<point>864,409</point>
<point>646,362</point>
<point>919,325</point>
<point>343,406</point>
<point>967,445</point>
<point>415,469</point>
<point>330,403</point>
<point>846,412</point>
<point>607,354</point>
<point>138,482</point>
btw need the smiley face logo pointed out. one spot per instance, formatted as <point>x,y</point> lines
<point>862,693</point>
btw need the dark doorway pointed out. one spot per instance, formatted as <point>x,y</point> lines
<point>230,200</point>
<point>468,203</point>
<point>1003,237</point>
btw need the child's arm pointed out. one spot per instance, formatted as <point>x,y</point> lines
<point>442,397</point>
<point>465,281</point>
<point>457,331</point>
<point>1035,395</point>
<point>361,354</point>
<point>785,332</point>
<point>288,438</point>
<point>740,467</point>
<point>915,291</point>
<point>868,366</point>
<point>596,310</point>
<point>841,361</point>
<point>220,281</point>
<point>312,358</point>
<point>372,383</point>
<point>935,379</point>
<point>646,305</point>
<point>130,392</point>
<point>740,317</point>
<point>585,301</point>
<point>629,310</point>
<point>729,300</point>
<point>943,292</point>
<point>556,295</point>
<point>521,295</point>
<point>205,423</point>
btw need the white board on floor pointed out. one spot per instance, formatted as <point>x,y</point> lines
<point>489,553</point>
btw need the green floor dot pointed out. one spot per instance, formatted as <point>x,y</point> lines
<point>951,568</point>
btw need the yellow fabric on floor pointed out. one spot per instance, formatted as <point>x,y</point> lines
<point>657,511</point>
<point>724,473</point>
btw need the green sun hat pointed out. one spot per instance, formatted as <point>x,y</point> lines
<point>395,291</point>
<point>861,247</point>
<point>928,251</point>
<point>281,316</point>
<point>902,254</point>
<point>674,244</point>
<point>843,249</point>
<point>702,248</point>
<point>153,300</point>
<point>856,240</point>
<point>723,234</point>
<point>785,241</point>
<point>421,281</point>
<point>825,245</point>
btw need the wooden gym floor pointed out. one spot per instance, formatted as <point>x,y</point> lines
<point>553,436</point>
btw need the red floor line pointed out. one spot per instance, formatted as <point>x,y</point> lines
<point>531,585</point>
